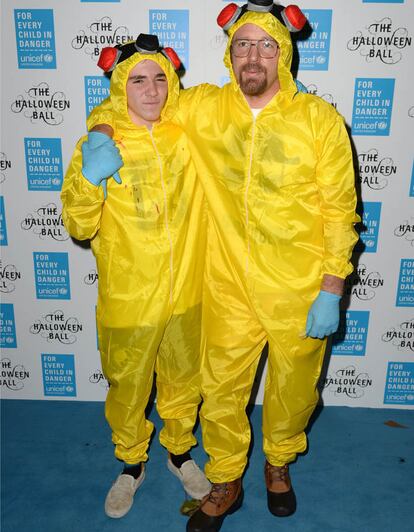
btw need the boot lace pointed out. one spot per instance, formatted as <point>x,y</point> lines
<point>279,473</point>
<point>218,493</point>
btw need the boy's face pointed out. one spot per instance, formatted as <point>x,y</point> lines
<point>147,91</point>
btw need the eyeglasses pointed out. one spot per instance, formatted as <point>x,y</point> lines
<point>266,48</point>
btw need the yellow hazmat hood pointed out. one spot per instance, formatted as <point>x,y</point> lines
<point>270,24</point>
<point>119,79</point>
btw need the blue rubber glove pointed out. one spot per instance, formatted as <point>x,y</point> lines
<point>300,86</point>
<point>323,316</point>
<point>100,160</point>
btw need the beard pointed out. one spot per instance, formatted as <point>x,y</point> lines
<point>252,86</point>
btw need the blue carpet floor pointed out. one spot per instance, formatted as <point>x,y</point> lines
<point>57,465</point>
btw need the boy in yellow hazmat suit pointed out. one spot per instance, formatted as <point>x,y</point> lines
<point>276,167</point>
<point>147,233</point>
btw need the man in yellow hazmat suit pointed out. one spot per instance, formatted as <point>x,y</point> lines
<point>276,167</point>
<point>146,228</point>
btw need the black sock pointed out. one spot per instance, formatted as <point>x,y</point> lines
<point>133,470</point>
<point>179,459</point>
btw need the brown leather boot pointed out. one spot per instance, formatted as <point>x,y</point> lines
<point>224,499</point>
<point>281,499</point>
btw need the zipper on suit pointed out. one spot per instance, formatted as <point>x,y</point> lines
<point>167,226</point>
<point>246,207</point>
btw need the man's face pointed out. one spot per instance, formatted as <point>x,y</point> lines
<point>147,91</point>
<point>256,75</point>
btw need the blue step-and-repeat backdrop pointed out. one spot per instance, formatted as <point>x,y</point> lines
<point>359,57</point>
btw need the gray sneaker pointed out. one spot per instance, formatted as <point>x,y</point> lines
<point>120,497</point>
<point>192,478</point>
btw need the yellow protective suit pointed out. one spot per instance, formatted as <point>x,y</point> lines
<point>281,210</point>
<point>148,238</point>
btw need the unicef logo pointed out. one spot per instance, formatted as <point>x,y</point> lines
<point>370,243</point>
<point>48,58</point>
<point>382,125</point>
<point>359,347</point>
<point>69,389</point>
<point>410,397</point>
<point>320,59</point>
<point>9,340</point>
<point>63,291</point>
<point>56,181</point>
